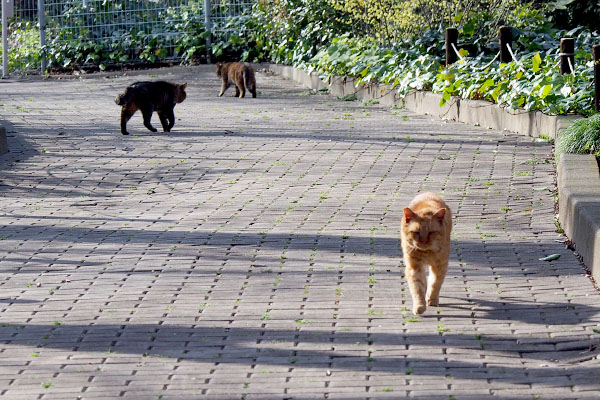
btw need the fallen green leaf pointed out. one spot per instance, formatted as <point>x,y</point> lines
<point>551,257</point>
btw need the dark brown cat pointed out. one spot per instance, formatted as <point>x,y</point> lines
<point>241,74</point>
<point>148,97</point>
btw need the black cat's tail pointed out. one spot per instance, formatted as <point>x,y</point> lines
<point>124,98</point>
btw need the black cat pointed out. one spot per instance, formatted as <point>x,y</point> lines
<point>148,97</point>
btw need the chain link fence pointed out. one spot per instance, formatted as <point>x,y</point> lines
<point>67,34</point>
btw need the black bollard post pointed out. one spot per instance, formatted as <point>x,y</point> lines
<point>596,53</point>
<point>567,52</point>
<point>451,38</point>
<point>505,35</point>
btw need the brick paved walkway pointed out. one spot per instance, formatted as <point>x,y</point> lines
<point>253,253</point>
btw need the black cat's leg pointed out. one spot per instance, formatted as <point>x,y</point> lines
<point>147,113</point>
<point>126,115</point>
<point>171,118</point>
<point>253,90</point>
<point>237,91</point>
<point>164,121</point>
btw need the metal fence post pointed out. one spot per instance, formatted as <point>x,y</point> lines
<point>42,22</point>
<point>4,39</point>
<point>208,28</point>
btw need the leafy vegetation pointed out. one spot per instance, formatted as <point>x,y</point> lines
<point>583,137</point>
<point>532,82</point>
<point>24,42</point>
<point>569,14</point>
<point>100,33</point>
<point>394,20</point>
<point>373,46</point>
<point>293,31</point>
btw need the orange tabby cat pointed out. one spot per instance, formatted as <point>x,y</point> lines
<point>425,236</point>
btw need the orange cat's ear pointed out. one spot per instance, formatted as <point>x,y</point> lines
<point>440,214</point>
<point>408,214</point>
<point>184,85</point>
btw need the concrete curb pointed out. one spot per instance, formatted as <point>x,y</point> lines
<point>475,112</point>
<point>3,142</point>
<point>579,203</point>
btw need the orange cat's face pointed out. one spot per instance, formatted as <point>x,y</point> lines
<point>425,232</point>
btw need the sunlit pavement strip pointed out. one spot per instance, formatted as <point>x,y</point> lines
<point>253,252</point>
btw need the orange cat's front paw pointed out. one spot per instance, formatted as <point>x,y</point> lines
<point>419,309</point>
<point>433,302</point>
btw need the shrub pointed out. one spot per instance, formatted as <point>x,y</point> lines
<point>358,39</point>
<point>24,44</point>
<point>236,42</point>
<point>583,137</point>
<point>396,20</point>
<point>100,33</point>
<point>569,14</point>
<point>293,31</point>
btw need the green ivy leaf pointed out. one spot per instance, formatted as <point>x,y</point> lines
<point>486,85</point>
<point>445,98</point>
<point>496,92</point>
<point>536,61</point>
<point>545,91</point>
<point>551,257</point>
